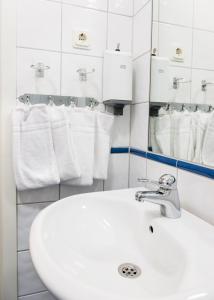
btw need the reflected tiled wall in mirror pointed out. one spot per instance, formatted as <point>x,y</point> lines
<point>182,80</point>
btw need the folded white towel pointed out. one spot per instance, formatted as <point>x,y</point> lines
<point>67,161</point>
<point>104,124</point>
<point>82,128</point>
<point>208,146</point>
<point>33,153</point>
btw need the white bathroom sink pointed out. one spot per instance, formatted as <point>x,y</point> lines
<point>78,243</point>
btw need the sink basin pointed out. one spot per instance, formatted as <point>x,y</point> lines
<point>78,245</point>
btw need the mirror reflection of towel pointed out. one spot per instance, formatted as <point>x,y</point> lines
<point>208,146</point>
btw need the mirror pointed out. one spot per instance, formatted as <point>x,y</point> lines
<point>182,80</point>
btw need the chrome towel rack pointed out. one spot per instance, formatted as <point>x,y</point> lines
<point>58,100</point>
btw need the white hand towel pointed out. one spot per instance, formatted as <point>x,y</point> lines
<point>163,133</point>
<point>82,128</point>
<point>33,154</point>
<point>181,136</point>
<point>104,124</point>
<point>201,121</point>
<point>152,137</point>
<point>208,146</point>
<point>67,161</point>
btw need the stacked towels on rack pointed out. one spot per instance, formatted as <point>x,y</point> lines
<point>53,144</point>
<point>185,135</point>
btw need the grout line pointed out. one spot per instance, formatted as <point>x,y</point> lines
<point>61,36</point>
<point>142,7</point>
<point>33,203</point>
<point>142,54</point>
<point>58,51</point>
<point>95,9</point>
<point>34,293</point>
<point>184,26</point>
<point>192,53</point>
<point>118,14</point>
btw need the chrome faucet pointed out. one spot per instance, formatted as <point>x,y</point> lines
<point>166,195</point>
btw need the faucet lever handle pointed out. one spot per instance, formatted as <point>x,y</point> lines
<point>148,183</point>
<point>167,182</point>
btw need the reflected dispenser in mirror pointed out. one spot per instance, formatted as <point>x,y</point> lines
<point>160,79</point>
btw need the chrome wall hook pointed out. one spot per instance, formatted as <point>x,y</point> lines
<point>40,69</point>
<point>204,85</point>
<point>83,74</point>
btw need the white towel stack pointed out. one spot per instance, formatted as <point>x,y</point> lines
<point>54,144</point>
<point>33,153</point>
<point>64,148</point>
<point>103,125</point>
<point>82,128</point>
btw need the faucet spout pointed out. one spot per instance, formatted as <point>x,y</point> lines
<point>166,196</point>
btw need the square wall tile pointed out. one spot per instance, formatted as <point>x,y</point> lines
<point>28,280</point>
<point>203,49</point>
<point>48,194</point>
<point>121,129</point>
<point>67,191</point>
<point>172,37</point>
<point>97,4</point>
<point>78,18</point>
<point>141,78</point>
<point>26,215</point>
<point>142,30</point>
<point>123,7</point>
<point>138,4</point>
<point>118,172</point>
<point>39,296</point>
<point>196,195</point>
<point>137,170</point>
<point>139,126</point>
<point>120,31</point>
<point>204,14</point>
<point>39,24</point>
<point>71,84</point>
<point>27,82</point>
<point>176,12</point>
<point>155,170</point>
<point>183,93</point>
<point>199,96</point>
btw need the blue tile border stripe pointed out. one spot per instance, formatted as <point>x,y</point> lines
<point>197,169</point>
<point>119,150</point>
<point>187,166</point>
<point>138,152</point>
<point>162,159</point>
<point>183,165</point>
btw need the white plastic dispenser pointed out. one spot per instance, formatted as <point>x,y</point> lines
<point>160,79</point>
<point>117,79</point>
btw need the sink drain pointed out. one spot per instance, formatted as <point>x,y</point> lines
<point>129,270</point>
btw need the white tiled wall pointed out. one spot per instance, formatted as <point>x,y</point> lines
<point>45,35</point>
<point>188,24</point>
<point>196,192</point>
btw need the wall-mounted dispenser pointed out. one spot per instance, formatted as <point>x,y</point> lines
<point>160,79</point>
<point>117,80</point>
